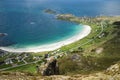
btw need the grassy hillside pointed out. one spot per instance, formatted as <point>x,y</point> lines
<point>97,57</point>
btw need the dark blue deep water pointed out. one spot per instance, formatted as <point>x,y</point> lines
<point>26,24</point>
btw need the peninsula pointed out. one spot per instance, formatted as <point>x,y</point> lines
<point>50,11</point>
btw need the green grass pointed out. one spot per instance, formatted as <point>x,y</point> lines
<point>4,66</point>
<point>91,61</point>
<point>84,40</point>
<point>30,68</point>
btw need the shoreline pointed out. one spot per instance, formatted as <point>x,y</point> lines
<point>50,47</point>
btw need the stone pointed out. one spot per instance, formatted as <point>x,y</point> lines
<point>50,68</point>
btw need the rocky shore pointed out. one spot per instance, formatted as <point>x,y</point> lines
<point>3,34</point>
<point>50,11</point>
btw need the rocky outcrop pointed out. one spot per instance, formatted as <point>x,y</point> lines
<point>49,68</point>
<point>113,69</point>
<point>3,34</point>
<point>116,23</point>
<point>112,73</point>
<point>15,76</point>
<point>6,42</point>
<point>65,17</point>
<point>50,11</point>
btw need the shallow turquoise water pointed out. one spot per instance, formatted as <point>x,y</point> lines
<point>31,29</point>
<point>27,25</point>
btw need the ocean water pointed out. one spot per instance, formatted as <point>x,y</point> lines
<point>27,25</point>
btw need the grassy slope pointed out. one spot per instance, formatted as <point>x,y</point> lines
<point>30,68</point>
<point>91,61</point>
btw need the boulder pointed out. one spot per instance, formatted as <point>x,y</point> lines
<point>3,34</point>
<point>50,68</point>
<point>113,69</point>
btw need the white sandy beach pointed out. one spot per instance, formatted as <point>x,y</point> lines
<point>86,31</point>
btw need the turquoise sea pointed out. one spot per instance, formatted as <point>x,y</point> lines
<point>27,25</point>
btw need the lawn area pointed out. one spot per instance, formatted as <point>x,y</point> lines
<point>30,68</point>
